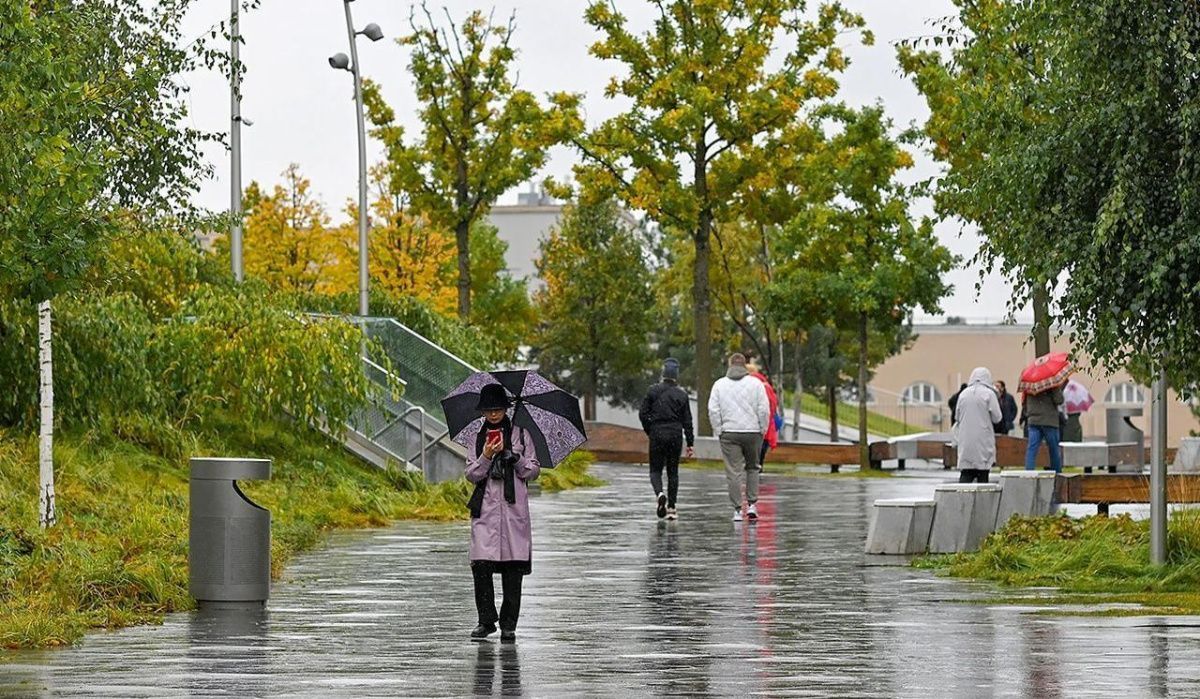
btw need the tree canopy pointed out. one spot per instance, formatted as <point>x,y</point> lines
<point>481,135</point>
<point>1086,115</point>
<point>704,99</point>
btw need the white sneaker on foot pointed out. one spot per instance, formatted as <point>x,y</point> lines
<point>737,514</point>
<point>662,505</point>
<point>672,514</point>
<point>752,512</point>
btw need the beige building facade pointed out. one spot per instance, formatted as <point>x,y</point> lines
<point>915,385</point>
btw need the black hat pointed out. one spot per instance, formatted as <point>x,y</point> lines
<point>670,370</point>
<point>493,397</point>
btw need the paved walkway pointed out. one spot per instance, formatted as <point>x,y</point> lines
<point>622,605</point>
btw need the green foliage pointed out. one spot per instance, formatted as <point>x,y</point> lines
<point>596,307</point>
<point>858,258</point>
<point>481,136</point>
<point>571,473</point>
<point>703,103</point>
<point>219,347</point>
<point>1088,555</point>
<point>1069,131</point>
<point>92,119</point>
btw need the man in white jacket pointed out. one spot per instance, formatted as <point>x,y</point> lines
<point>978,410</point>
<point>740,413</point>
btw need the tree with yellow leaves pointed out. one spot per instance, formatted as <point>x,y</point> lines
<point>408,255</point>
<point>287,240</point>
<point>703,98</point>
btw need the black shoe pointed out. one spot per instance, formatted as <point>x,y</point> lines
<point>482,631</point>
<point>662,505</point>
<point>508,635</point>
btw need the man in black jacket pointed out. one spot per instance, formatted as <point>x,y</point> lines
<point>666,414</point>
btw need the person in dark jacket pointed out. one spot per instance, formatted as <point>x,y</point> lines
<point>666,417</point>
<point>1041,414</point>
<point>953,403</point>
<point>1008,409</point>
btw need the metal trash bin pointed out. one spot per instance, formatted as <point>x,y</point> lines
<point>229,537</point>
<point>1118,429</point>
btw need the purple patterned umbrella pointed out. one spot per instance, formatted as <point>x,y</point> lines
<point>550,414</point>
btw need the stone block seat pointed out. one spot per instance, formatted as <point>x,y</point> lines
<point>900,526</point>
<point>965,514</point>
<point>1029,493</point>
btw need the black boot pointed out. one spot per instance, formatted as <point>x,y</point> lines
<point>508,635</point>
<point>482,631</point>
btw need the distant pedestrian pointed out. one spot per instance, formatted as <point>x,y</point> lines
<point>503,461</point>
<point>666,414</point>
<point>740,412</point>
<point>953,403</point>
<point>1008,409</point>
<point>771,440</point>
<point>1043,422</point>
<point>978,411</point>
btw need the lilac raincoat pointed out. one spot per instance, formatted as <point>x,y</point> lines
<point>502,531</point>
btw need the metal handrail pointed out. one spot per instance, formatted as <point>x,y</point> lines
<point>421,435</point>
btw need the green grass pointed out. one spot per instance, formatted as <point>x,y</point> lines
<point>118,555</point>
<point>571,473</point>
<point>1089,561</point>
<point>877,424</point>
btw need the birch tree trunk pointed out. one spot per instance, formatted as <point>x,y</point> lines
<point>46,514</point>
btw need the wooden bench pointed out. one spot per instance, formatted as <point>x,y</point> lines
<point>1104,489</point>
<point>629,445</point>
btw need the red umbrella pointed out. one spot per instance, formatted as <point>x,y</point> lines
<point>1047,371</point>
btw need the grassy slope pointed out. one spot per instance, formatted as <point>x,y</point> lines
<point>1091,561</point>
<point>119,554</point>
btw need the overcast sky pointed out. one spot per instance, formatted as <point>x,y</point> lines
<point>303,110</point>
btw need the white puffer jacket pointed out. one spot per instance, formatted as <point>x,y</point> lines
<point>738,403</point>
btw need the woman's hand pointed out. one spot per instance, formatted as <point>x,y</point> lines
<point>492,447</point>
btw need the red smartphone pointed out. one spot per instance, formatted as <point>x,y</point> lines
<point>494,436</point>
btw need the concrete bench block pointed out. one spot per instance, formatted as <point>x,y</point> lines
<point>965,514</point>
<point>900,526</point>
<point>1025,493</point>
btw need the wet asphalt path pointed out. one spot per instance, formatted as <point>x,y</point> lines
<point>623,605</point>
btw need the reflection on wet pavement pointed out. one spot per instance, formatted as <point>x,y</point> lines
<point>621,604</point>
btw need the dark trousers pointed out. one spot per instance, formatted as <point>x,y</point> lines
<point>973,475</point>
<point>665,446</point>
<point>485,596</point>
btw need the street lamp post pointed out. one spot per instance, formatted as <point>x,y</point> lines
<point>235,144</point>
<point>340,61</point>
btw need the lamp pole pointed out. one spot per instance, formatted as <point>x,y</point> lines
<point>235,144</point>
<point>1158,470</point>
<point>341,62</point>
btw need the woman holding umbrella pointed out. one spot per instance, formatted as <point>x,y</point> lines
<point>512,424</point>
<point>1042,394</point>
<point>503,461</point>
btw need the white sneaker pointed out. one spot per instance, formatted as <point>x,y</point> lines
<point>662,505</point>
<point>752,512</point>
<point>672,514</point>
<point>737,514</point>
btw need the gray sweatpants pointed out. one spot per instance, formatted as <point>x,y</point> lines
<point>740,451</point>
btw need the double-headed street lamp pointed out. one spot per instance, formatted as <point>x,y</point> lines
<point>340,61</point>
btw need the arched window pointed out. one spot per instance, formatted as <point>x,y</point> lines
<point>921,393</point>
<point>1125,394</point>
